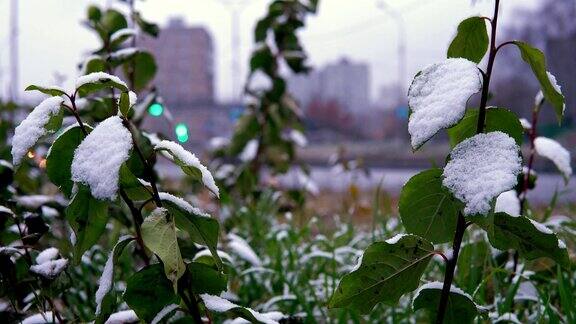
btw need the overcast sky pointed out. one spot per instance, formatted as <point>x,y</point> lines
<point>52,39</point>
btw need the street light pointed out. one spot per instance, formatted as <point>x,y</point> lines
<point>402,35</point>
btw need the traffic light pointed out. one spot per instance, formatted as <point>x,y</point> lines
<point>156,109</point>
<point>181,131</point>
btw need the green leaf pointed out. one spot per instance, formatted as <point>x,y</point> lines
<point>134,189</point>
<point>124,103</point>
<point>263,59</point>
<point>159,235</point>
<point>94,64</point>
<point>201,228</point>
<point>113,21</point>
<point>52,91</point>
<point>148,291</point>
<point>497,119</point>
<point>471,264</point>
<point>460,309</point>
<point>108,302</point>
<point>532,240</point>
<point>471,41</point>
<point>94,13</point>
<point>261,30</point>
<point>387,271</point>
<point>145,69</point>
<point>427,208</point>
<point>60,155</point>
<point>205,279</point>
<point>147,27</point>
<point>88,217</point>
<point>537,61</point>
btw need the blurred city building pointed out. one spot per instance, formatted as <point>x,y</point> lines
<point>185,59</point>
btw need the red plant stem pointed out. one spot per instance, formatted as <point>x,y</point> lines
<point>461,225</point>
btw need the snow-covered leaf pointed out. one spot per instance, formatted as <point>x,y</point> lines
<point>98,158</point>
<point>427,208</point>
<point>461,308</point>
<point>189,163</point>
<point>148,292</point>
<point>50,269</point>
<point>386,271</point>
<point>44,119</point>
<point>221,305</point>
<point>122,317</point>
<point>480,169</point>
<point>105,297</point>
<point>508,202</point>
<point>438,97</point>
<point>202,228</point>
<point>552,150</point>
<point>531,239</point>
<point>159,235</point>
<point>240,247</point>
<point>122,35</point>
<point>97,81</point>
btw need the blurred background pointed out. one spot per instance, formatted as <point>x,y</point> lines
<point>363,53</point>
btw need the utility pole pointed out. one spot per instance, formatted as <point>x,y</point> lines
<point>14,87</point>
<point>402,35</point>
<point>235,7</point>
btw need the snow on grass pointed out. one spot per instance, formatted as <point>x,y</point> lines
<point>98,158</point>
<point>98,77</point>
<point>47,255</point>
<point>480,169</point>
<point>182,204</point>
<point>50,269</point>
<point>162,313</point>
<point>106,279</point>
<point>221,305</point>
<point>39,318</point>
<point>33,127</point>
<point>508,202</point>
<point>438,95</point>
<point>189,160</point>
<point>126,316</point>
<point>240,247</point>
<point>552,150</point>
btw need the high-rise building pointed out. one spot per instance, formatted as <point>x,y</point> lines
<point>344,83</point>
<point>185,59</point>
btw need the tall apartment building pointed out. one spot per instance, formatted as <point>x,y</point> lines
<point>185,59</point>
<point>344,82</point>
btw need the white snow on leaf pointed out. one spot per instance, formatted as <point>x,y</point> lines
<point>298,138</point>
<point>6,210</point>
<point>274,316</point>
<point>50,269</point>
<point>132,98</point>
<point>33,127</point>
<point>561,244</point>
<point>98,77</point>
<point>124,53</point>
<point>525,124</point>
<point>240,247</point>
<point>527,291</point>
<point>249,152</point>
<point>506,317</point>
<point>539,99</point>
<point>508,202</point>
<point>124,32</point>
<point>438,95</point>
<point>221,305</point>
<point>221,254</point>
<point>182,204</point>
<point>437,285</point>
<point>47,255</point>
<point>552,150</point>
<point>98,158</point>
<point>190,160</point>
<point>554,82</point>
<point>541,227</point>
<point>480,169</point>
<point>165,311</point>
<point>106,279</point>
<point>126,316</point>
<point>395,238</point>
<point>40,318</point>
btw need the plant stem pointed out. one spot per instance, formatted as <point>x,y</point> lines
<point>450,268</point>
<point>461,225</point>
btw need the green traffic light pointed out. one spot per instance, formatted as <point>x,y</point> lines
<point>156,109</point>
<point>181,131</point>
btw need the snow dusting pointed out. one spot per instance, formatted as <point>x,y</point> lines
<point>541,227</point>
<point>124,32</point>
<point>106,279</point>
<point>40,318</point>
<point>190,160</point>
<point>50,269</point>
<point>508,203</point>
<point>98,158</point>
<point>438,286</point>
<point>240,247</point>
<point>33,127</point>
<point>221,305</point>
<point>480,169</point>
<point>395,238</point>
<point>182,204</point>
<point>525,124</point>
<point>126,316</point>
<point>98,77</point>
<point>552,150</point>
<point>249,152</point>
<point>438,95</point>
<point>47,255</point>
<point>165,311</point>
